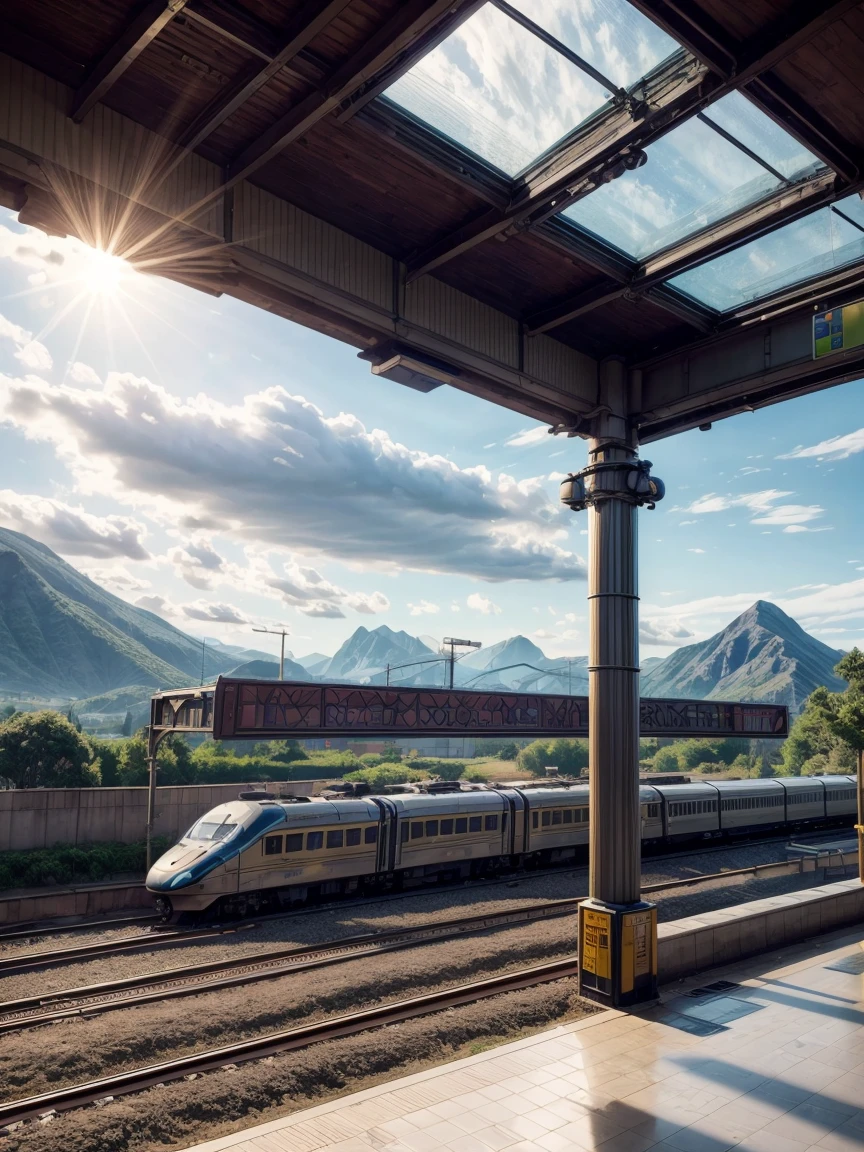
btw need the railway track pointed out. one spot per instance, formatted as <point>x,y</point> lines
<point>191,980</point>
<point>276,1043</point>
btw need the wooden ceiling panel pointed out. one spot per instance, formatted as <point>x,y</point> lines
<point>350,177</point>
<point>518,276</point>
<point>83,32</point>
<point>351,29</point>
<point>624,327</point>
<point>744,18</point>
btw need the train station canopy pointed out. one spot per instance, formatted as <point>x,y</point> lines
<point>492,195</point>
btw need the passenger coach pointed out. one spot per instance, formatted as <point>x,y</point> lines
<point>258,851</point>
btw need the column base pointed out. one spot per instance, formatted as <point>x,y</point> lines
<point>618,953</point>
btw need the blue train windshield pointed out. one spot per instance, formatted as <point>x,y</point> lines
<point>211,830</point>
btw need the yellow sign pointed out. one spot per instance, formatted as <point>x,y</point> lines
<point>637,947</point>
<point>596,950</point>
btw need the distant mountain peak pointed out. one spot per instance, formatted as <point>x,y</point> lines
<point>763,654</point>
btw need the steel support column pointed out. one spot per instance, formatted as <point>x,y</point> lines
<point>617,931</point>
<point>151,806</point>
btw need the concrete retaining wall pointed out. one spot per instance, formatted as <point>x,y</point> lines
<point>715,938</point>
<point>90,900</point>
<point>43,817</point>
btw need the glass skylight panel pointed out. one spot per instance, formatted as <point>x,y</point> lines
<point>693,178</point>
<point>498,90</point>
<point>611,35</point>
<point>809,247</point>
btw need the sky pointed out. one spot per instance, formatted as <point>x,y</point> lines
<point>230,470</point>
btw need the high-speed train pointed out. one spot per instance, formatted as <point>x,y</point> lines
<point>258,852</point>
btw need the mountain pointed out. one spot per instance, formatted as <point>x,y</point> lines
<point>61,635</point>
<point>504,667</point>
<point>367,653</point>
<point>762,655</point>
<point>312,660</point>
<point>269,670</point>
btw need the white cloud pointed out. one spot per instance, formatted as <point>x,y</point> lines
<point>30,352</point>
<point>369,604</point>
<point>483,605</point>
<point>803,528</point>
<point>756,501</point>
<point>528,436</point>
<point>545,634</point>
<point>83,374</point>
<point>698,551</point>
<point>790,514</point>
<point>214,613</point>
<point>834,448</point>
<point>72,531</point>
<point>653,631</point>
<point>319,485</point>
<point>424,608</point>
<point>197,564</point>
<point>119,579</point>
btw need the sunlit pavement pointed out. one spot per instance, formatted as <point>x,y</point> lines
<point>772,1060</point>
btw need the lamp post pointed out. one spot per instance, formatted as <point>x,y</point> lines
<point>453,644</point>
<point>283,632</point>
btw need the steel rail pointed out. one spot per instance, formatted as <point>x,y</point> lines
<point>12,965</point>
<point>39,928</point>
<point>275,1043</point>
<point>197,978</point>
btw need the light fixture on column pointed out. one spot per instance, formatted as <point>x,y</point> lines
<point>646,489</point>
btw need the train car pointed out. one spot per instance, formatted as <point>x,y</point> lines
<point>259,851</point>
<point>245,848</point>
<point>746,805</point>
<point>454,833</point>
<point>557,819</point>
<point>805,799</point>
<point>689,811</point>
<point>841,796</point>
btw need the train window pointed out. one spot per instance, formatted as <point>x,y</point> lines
<point>462,824</point>
<point>352,837</point>
<point>556,816</point>
<point>534,816</point>
<point>491,823</point>
<point>371,835</point>
<point>431,827</point>
<point>294,842</point>
<point>335,838</point>
<point>568,816</point>
<point>272,845</point>
<point>446,827</point>
<point>475,823</point>
<point>583,815</point>
<point>209,830</point>
<point>314,840</point>
<point>417,830</point>
<point>406,831</point>
<point>547,819</point>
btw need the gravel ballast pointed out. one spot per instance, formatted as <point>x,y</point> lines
<point>181,1113</point>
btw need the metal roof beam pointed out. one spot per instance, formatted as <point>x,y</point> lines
<point>123,53</point>
<point>579,163</point>
<point>314,17</point>
<point>413,19</point>
<point>743,65</point>
<point>767,215</point>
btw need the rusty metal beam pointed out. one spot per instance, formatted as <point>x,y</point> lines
<point>413,20</point>
<point>123,53</point>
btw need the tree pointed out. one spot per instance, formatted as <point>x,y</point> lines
<point>107,758</point>
<point>7,713</point>
<point>282,751</point>
<point>126,730</point>
<point>666,760</point>
<point>509,752</point>
<point>43,749</point>
<point>568,756</point>
<point>384,774</point>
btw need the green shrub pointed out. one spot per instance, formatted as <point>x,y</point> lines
<point>68,864</point>
<point>384,774</point>
<point>569,756</point>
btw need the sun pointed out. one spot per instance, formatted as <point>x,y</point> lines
<point>102,273</point>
